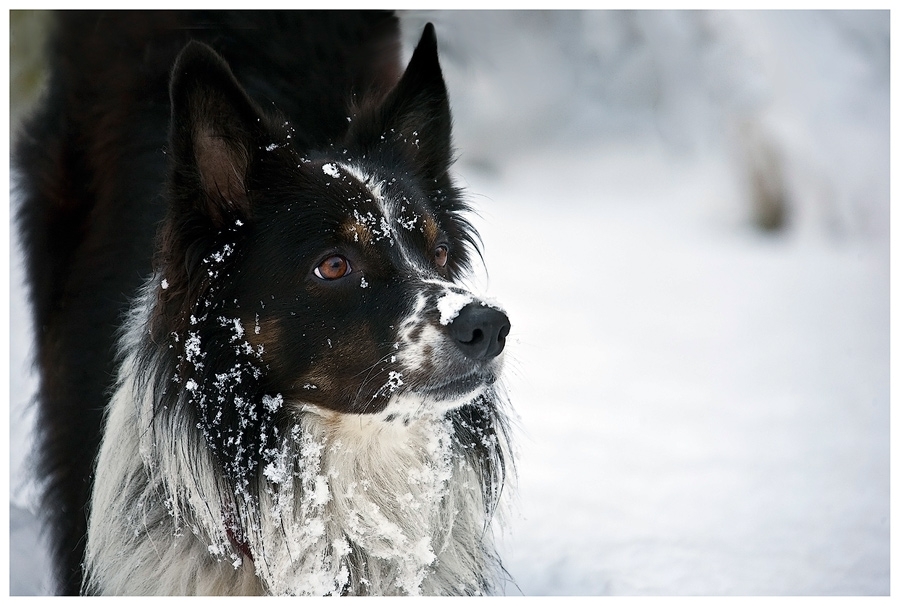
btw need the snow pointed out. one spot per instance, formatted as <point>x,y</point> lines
<point>273,403</point>
<point>450,304</point>
<point>700,412</point>
<point>703,406</point>
<point>331,170</point>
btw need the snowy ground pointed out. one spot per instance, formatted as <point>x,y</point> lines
<point>702,408</point>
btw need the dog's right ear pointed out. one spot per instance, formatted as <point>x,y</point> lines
<point>215,128</point>
<point>414,117</point>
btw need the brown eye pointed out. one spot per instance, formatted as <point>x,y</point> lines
<point>332,268</point>
<point>440,255</point>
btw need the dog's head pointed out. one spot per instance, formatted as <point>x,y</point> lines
<point>324,277</point>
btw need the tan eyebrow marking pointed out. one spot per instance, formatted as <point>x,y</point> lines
<point>430,229</point>
<point>356,231</point>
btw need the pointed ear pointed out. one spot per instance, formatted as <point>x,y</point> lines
<point>213,133</point>
<point>415,114</point>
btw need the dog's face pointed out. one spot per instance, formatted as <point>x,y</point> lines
<point>317,277</point>
<point>345,282</point>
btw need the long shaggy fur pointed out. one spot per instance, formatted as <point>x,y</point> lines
<point>347,504</point>
<point>260,373</point>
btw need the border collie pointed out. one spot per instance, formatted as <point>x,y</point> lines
<point>260,373</point>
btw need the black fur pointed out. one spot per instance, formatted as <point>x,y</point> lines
<point>216,165</point>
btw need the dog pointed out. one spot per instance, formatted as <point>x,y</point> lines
<point>260,370</point>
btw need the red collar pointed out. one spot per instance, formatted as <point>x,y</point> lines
<point>236,535</point>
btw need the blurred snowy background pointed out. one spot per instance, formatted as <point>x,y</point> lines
<point>686,215</point>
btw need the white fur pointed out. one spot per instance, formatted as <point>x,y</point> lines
<point>349,503</point>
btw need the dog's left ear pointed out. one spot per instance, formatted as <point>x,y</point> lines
<point>415,115</point>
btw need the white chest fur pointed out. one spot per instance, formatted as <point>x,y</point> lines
<point>348,504</point>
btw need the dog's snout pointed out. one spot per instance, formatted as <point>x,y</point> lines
<point>479,331</point>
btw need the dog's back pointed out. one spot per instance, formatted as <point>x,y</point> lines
<point>91,163</point>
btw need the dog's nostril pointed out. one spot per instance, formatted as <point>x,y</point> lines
<point>477,336</point>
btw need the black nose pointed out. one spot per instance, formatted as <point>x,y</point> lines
<point>479,331</point>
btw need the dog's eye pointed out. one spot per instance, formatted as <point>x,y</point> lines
<point>332,268</point>
<point>440,255</point>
